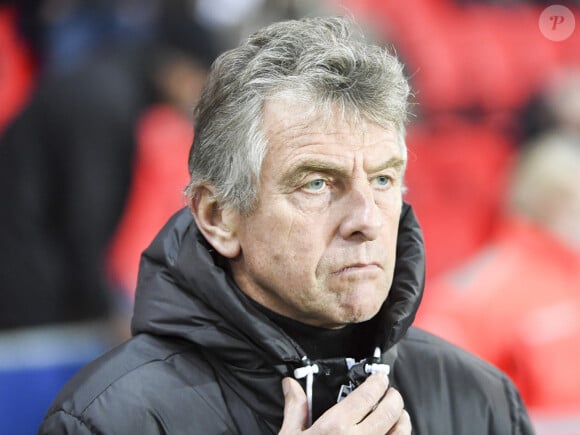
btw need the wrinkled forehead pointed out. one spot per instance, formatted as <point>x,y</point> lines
<point>321,106</point>
<point>288,110</point>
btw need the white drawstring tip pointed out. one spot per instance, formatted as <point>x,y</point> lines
<point>302,372</point>
<point>307,372</point>
<point>378,368</point>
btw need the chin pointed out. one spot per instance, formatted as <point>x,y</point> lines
<point>355,306</point>
<point>359,314</point>
<point>367,307</point>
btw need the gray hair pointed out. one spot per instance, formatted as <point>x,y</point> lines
<point>323,61</point>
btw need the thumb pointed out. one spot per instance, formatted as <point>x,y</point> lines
<point>295,407</point>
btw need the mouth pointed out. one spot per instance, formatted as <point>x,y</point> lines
<point>358,267</point>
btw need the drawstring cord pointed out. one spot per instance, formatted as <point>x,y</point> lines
<point>307,371</point>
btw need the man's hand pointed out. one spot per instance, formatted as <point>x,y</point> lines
<point>372,408</point>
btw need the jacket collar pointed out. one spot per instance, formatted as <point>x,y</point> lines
<point>183,291</point>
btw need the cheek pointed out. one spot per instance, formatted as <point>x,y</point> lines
<point>391,211</point>
<point>391,203</point>
<point>300,253</point>
<point>390,233</point>
<point>281,242</point>
<point>308,205</point>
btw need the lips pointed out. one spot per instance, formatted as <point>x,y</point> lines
<point>358,267</point>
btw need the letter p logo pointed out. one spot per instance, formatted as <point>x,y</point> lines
<point>557,23</point>
<point>556,19</point>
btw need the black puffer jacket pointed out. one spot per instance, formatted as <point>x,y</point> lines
<point>205,360</point>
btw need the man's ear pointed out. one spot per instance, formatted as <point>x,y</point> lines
<point>217,224</point>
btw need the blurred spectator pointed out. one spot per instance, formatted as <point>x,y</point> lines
<point>516,303</point>
<point>164,136</point>
<point>555,106</point>
<point>66,168</point>
<point>449,182</point>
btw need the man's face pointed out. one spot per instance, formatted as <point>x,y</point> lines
<point>320,247</point>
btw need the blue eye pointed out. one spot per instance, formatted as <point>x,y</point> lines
<point>382,180</point>
<point>316,185</point>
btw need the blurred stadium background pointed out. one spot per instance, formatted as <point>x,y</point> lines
<point>488,78</point>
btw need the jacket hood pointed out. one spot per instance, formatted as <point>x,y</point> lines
<point>183,291</point>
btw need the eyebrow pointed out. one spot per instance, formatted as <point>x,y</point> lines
<point>308,166</point>
<point>394,162</point>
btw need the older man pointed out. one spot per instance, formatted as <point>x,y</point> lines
<point>298,266</point>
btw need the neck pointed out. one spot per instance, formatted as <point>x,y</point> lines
<point>354,340</point>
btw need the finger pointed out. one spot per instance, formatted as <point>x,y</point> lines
<point>403,426</point>
<point>362,400</point>
<point>386,415</point>
<point>295,407</point>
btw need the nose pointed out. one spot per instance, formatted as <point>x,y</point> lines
<point>361,215</point>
